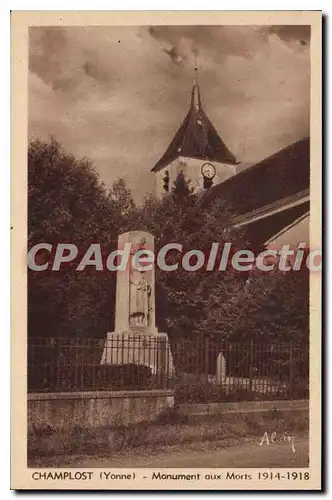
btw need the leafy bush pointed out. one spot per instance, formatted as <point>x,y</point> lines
<point>126,376</point>
<point>92,377</point>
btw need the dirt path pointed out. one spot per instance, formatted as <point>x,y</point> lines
<point>208,454</point>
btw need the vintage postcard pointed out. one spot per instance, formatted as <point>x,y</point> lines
<point>166,250</point>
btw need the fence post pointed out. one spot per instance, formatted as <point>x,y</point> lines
<point>57,366</point>
<point>206,362</point>
<point>82,370</point>
<point>251,361</point>
<point>291,371</point>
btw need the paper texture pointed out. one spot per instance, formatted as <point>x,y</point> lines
<point>162,339</point>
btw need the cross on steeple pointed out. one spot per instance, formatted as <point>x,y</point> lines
<point>196,66</point>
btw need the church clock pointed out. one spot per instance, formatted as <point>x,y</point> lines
<point>208,172</point>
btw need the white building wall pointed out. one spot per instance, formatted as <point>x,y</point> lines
<point>191,167</point>
<point>297,233</point>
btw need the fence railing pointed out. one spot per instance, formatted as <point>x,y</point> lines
<point>201,369</point>
<point>213,370</point>
<point>119,363</point>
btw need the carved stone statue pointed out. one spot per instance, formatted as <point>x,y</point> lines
<point>140,292</point>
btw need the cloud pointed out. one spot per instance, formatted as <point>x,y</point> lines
<point>118,94</point>
<point>299,34</point>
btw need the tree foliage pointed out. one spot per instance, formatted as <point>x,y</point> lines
<point>275,306</point>
<point>68,204</point>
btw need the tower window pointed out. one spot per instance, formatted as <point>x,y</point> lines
<point>166,181</point>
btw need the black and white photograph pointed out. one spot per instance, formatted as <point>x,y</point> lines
<point>171,237</point>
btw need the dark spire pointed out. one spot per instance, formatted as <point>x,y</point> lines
<point>197,137</point>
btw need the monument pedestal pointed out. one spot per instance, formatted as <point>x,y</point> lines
<point>140,348</point>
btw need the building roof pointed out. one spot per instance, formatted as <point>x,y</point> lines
<point>261,231</point>
<point>277,177</point>
<point>197,138</point>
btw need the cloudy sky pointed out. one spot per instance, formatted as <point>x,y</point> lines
<point>118,94</point>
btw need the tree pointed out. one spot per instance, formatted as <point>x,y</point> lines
<point>68,203</point>
<point>182,193</point>
<point>123,200</point>
<point>275,307</point>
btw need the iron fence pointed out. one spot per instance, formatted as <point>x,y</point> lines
<point>199,370</point>
<point>213,370</point>
<point>119,363</point>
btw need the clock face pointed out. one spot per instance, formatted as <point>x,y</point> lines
<point>208,170</point>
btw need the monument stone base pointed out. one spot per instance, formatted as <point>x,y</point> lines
<point>140,348</point>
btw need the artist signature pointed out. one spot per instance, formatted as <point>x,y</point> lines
<point>275,438</point>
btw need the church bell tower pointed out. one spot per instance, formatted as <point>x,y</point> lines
<point>196,151</point>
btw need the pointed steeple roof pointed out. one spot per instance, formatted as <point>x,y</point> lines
<point>197,138</point>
